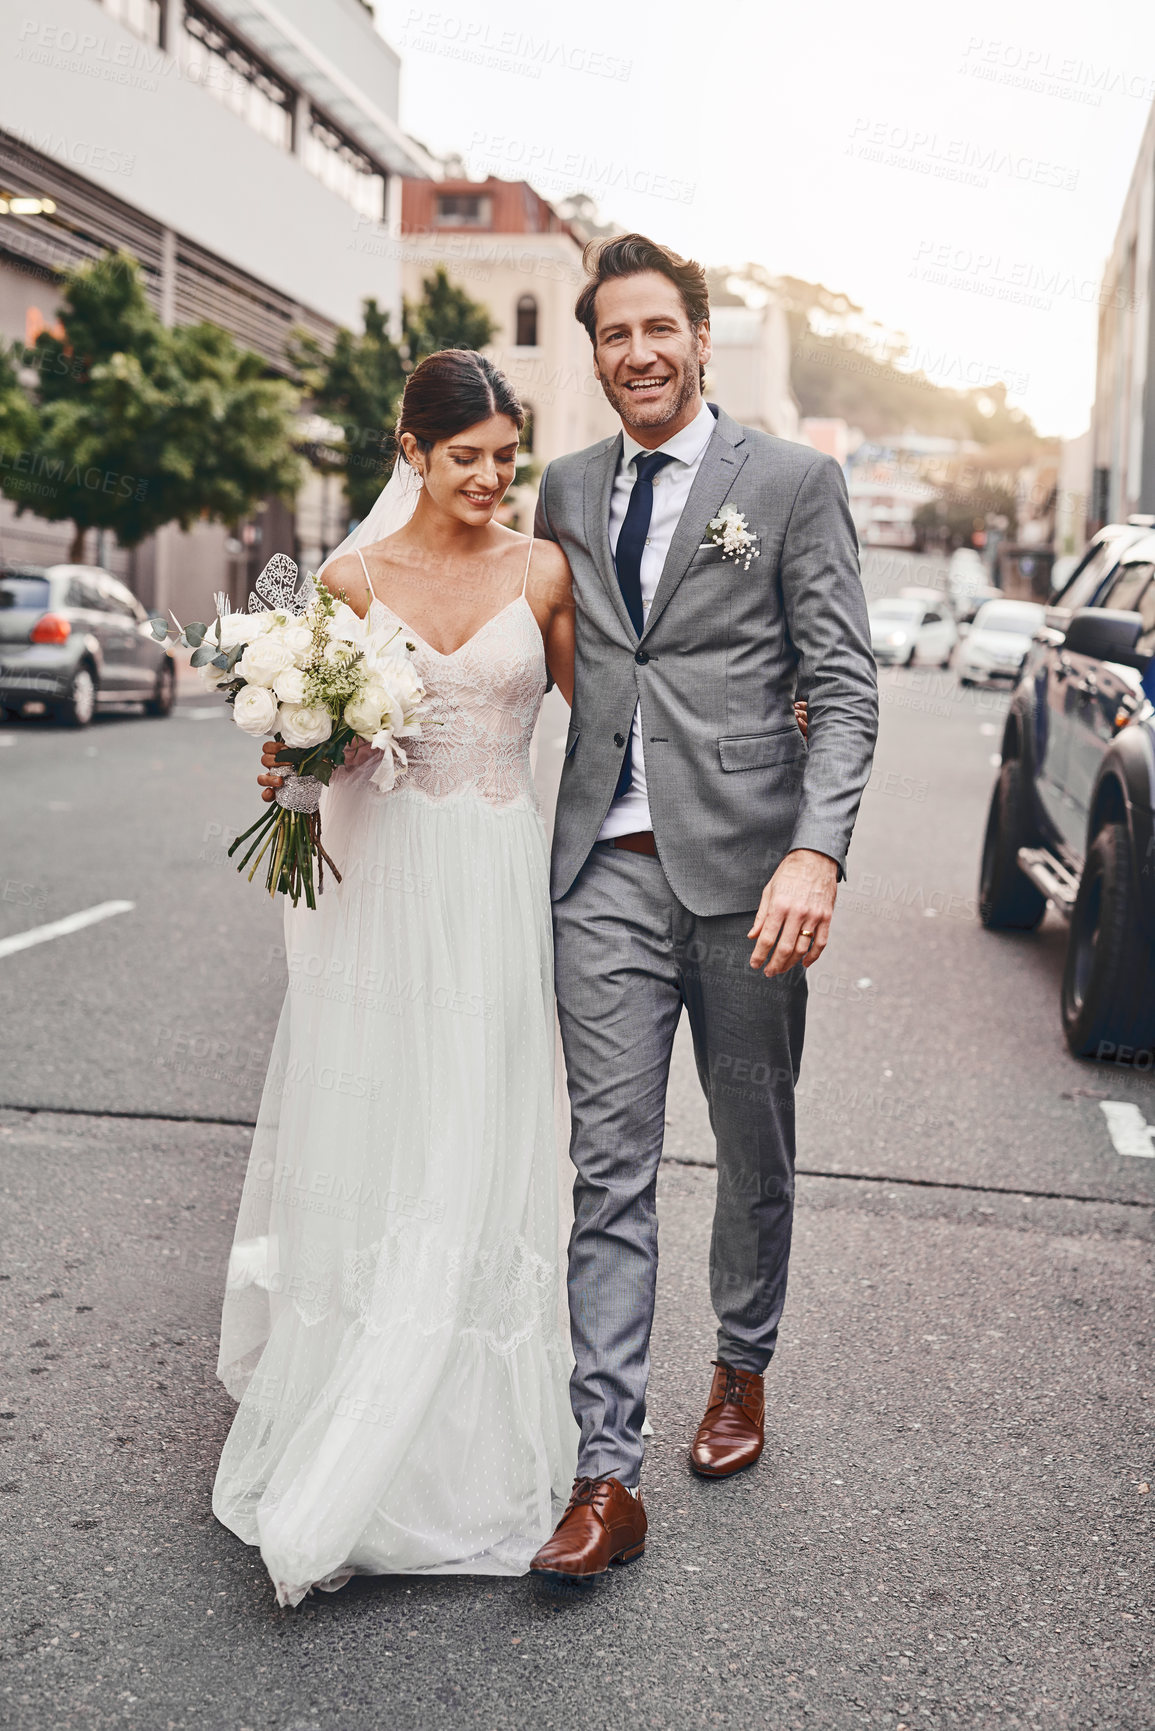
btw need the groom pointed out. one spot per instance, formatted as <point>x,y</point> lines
<point>697,850</point>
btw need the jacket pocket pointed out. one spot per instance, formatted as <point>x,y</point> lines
<point>762,750</point>
<point>571,739</point>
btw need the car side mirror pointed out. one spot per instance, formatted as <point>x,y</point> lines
<point>1106,635</point>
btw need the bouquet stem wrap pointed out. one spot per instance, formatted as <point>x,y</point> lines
<point>288,834</point>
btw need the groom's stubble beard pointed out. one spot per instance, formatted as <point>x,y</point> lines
<point>649,416</point>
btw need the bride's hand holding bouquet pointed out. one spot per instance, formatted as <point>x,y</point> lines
<point>327,686</point>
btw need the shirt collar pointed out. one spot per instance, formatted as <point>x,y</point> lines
<point>686,446</point>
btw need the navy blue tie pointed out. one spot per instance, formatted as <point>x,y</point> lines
<point>628,559</point>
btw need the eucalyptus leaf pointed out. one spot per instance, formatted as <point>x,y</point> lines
<point>158,625</point>
<point>234,655</point>
<point>202,656</point>
<point>194,636</point>
<point>221,661</point>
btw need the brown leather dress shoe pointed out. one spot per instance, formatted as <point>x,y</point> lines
<point>731,1435</point>
<point>602,1524</point>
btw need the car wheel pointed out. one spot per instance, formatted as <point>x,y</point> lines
<point>1110,963</point>
<point>165,696</point>
<point>78,705</point>
<point>909,662</point>
<point>1008,901</point>
<point>964,681</point>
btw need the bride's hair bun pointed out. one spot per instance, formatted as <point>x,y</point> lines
<point>453,390</point>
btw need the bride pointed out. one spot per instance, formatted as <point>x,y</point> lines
<point>392,1328</point>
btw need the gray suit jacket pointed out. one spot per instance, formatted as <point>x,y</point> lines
<point>732,785</point>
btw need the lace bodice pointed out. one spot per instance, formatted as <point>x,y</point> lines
<point>482,708</point>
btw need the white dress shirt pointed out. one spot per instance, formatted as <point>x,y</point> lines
<point>671,490</point>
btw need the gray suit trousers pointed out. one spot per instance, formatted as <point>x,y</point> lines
<point>629,955</point>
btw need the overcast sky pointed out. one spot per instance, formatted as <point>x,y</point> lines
<point>961,179</point>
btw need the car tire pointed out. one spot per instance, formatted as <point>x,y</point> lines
<point>78,705</point>
<point>162,701</point>
<point>909,662</point>
<point>965,682</point>
<point>1106,996</point>
<point>1008,901</point>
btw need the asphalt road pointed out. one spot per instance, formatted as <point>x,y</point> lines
<point>947,1528</point>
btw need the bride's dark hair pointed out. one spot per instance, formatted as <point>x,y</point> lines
<point>450,391</point>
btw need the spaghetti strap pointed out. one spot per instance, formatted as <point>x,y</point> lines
<point>365,568</point>
<point>528,557</point>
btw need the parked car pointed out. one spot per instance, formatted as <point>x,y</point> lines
<point>74,638</point>
<point>1071,819</point>
<point>966,577</point>
<point>907,628</point>
<point>968,604</point>
<point>996,645</point>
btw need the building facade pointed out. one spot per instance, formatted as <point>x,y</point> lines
<point>247,152</point>
<point>509,250</point>
<point>1123,422</point>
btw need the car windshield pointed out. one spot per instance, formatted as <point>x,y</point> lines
<point>998,616</point>
<point>896,610</point>
<point>24,592</point>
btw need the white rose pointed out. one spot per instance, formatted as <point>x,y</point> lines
<point>363,713</point>
<point>297,638</point>
<point>336,653</point>
<point>264,659</point>
<point>289,685</point>
<point>303,727</point>
<point>212,676</point>
<point>404,686</point>
<point>346,626</point>
<point>255,710</point>
<point>238,628</point>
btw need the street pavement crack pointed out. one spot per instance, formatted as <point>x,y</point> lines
<point>667,1159</point>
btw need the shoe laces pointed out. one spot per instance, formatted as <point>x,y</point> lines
<point>737,1385</point>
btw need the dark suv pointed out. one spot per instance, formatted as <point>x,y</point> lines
<point>1071,814</point>
<point>73,637</point>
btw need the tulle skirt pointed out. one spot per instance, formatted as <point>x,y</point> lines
<point>393,1325</point>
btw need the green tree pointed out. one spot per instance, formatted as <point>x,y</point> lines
<point>444,318</point>
<point>132,425</point>
<point>357,384</point>
<point>357,387</point>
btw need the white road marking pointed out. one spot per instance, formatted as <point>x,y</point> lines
<point>1129,1130</point>
<point>61,928</point>
<point>206,712</point>
<point>7,739</point>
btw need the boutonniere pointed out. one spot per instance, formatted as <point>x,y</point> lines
<point>729,532</point>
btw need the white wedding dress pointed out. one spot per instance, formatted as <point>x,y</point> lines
<point>392,1324</point>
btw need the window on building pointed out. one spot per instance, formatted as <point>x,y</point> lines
<point>142,17</point>
<point>215,59</point>
<point>464,210</point>
<point>345,170</point>
<point>527,322</point>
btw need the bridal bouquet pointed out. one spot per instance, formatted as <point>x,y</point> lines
<point>301,666</point>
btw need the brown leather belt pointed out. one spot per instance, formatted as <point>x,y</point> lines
<point>642,841</point>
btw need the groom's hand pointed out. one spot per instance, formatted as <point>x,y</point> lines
<point>798,899</point>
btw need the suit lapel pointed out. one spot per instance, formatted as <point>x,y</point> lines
<point>599,486</point>
<point>723,460</point>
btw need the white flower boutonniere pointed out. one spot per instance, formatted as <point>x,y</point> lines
<point>728,530</point>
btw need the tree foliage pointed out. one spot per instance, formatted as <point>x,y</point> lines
<point>131,425</point>
<point>357,384</point>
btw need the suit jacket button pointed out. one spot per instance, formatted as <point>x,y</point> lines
<point>641,657</point>
<point>619,739</point>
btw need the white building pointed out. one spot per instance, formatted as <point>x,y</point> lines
<point>509,250</point>
<point>749,369</point>
<point>248,153</point>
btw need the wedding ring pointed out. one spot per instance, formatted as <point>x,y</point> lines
<point>806,934</point>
